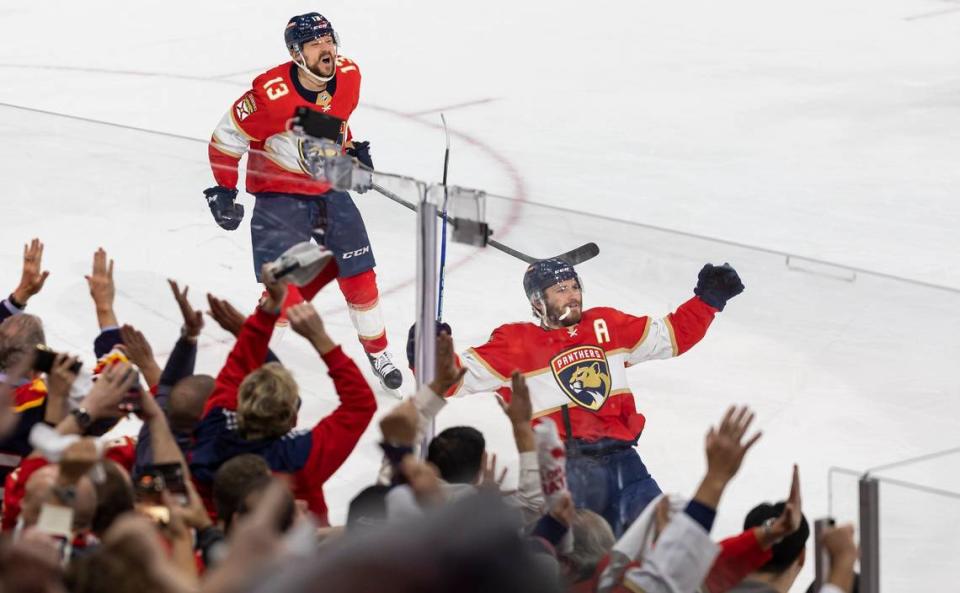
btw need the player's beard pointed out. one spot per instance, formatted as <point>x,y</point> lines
<point>324,69</point>
<point>565,315</point>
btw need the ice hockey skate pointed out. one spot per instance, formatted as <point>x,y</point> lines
<point>390,376</point>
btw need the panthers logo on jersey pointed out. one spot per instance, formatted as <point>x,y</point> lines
<point>584,375</point>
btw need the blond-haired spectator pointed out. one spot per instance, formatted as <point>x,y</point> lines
<point>253,408</point>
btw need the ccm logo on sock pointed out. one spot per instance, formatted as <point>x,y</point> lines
<point>356,253</point>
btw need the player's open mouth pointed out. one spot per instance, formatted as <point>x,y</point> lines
<point>326,60</point>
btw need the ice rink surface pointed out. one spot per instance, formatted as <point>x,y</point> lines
<point>827,131</point>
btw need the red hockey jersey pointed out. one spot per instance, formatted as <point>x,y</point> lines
<point>584,366</point>
<point>258,122</point>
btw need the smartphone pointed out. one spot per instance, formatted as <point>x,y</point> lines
<point>132,402</point>
<point>320,125</point>
<point>172,479</point>
<point>44,358</point>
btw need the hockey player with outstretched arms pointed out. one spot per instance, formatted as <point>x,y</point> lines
<point>575,363</point>
<point>291,206</point>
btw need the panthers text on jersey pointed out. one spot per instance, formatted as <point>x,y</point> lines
<point>258,122</point>
<point>583,367</point>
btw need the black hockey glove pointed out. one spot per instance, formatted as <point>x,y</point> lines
<point>226,211</point>
<point>718,284</point>
<point>411,342</point>
<point>361,152</point>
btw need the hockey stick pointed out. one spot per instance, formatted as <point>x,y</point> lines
<point>443,213</point>
<point>573,257</point>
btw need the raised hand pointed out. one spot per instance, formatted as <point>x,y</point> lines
<point>77,460</point>
<point>447,374</point>
<point>114,382</point>
<point>226,315</point>
<point>718,284</point>
<point>140,353</point>
<point>725,447</point>
<point>520,409</point>
<point>423,479</point>
<point>63,373</point>
<point>305,320</point>
<point>192,320</point>
<point>102,289</point>
<point>61,376</point>
<point>843,553</point>
<point>100,280</point>
<point>520,413</point>
<point>488,473</point>
<point>399,426</point>
<point>788,521</point>
<point>31,278</point>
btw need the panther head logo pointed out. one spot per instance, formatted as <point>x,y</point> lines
<point>591,380</point>
<point>583,375</point>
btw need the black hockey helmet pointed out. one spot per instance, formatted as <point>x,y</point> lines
<point>306,27</point>
<point>543,274</point>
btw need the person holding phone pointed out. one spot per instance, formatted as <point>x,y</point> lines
<point>291,206</point>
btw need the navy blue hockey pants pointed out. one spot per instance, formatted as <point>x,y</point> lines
<point>280,221</point>
<point>609,478</point>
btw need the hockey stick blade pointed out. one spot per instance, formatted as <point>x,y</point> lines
<point>574,257</point>
<point>577,256</point>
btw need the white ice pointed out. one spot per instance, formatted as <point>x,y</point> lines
<point>821,129</point>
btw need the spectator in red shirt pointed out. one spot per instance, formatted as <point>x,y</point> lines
<point>253,408</point>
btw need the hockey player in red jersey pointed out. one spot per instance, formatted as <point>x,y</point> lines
<point>291,206</point>
<point>575,365</point>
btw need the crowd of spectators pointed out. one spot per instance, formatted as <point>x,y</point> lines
<point>220,491</point>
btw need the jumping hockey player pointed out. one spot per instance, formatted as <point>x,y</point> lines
<point>292,207</point>
<point>575,365</point>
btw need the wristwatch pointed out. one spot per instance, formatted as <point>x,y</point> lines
<point>83,418</point>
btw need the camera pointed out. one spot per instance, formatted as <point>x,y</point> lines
<point>45,357</point>
<point>320,125</point>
